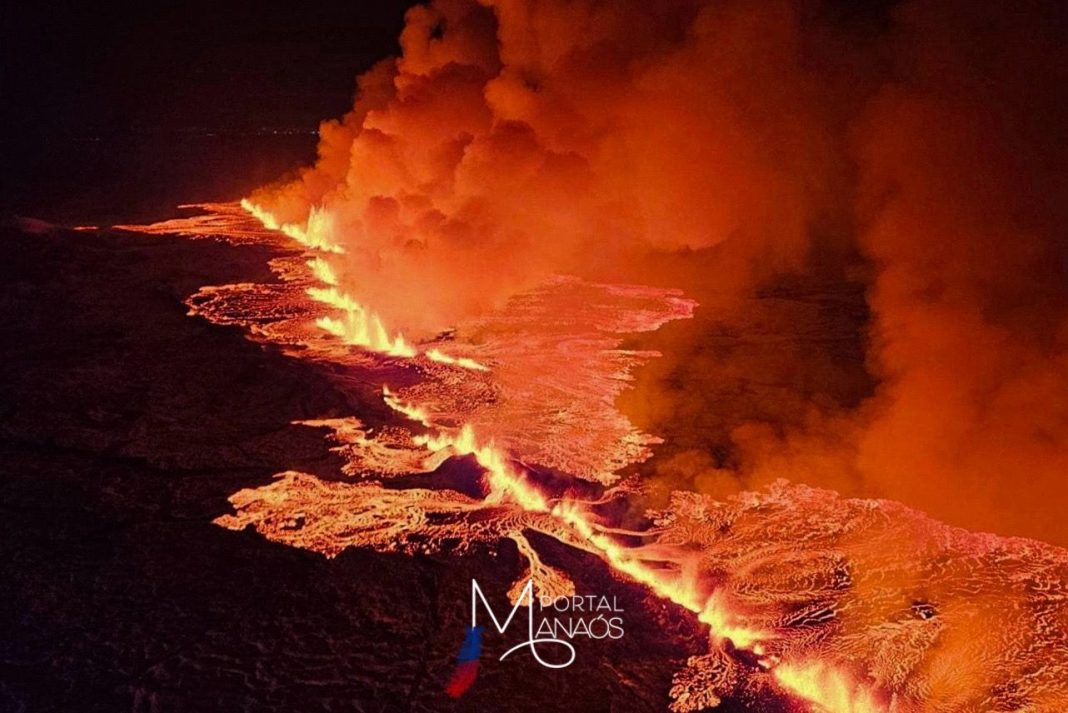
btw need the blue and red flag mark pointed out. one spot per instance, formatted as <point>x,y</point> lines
<point>466,670</point>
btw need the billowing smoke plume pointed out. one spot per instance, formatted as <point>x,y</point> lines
<point>913,154</point>
<point>965,216</point>
<point>515,139</point>
<point>960,211</point>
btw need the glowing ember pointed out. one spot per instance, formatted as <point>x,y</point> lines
<point>465,362</point>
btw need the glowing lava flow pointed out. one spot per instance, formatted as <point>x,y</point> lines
<point>415,413</point>
<point>359,326</point>
<point>323,271</point>
<point>315,234</point>
<point>828,688</point>
<point>507,483</point>
<point>465,362</point>
<point>846,604</point>
<point>824,686</point>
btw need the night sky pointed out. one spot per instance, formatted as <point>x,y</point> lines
<point>78,74</point>
<point>122,110</point>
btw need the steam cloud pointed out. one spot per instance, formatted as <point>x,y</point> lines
<point>917,151</point>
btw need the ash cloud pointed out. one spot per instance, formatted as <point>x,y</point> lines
<point>516,139</point>
<point>964,215</point>
<point>900,167</point>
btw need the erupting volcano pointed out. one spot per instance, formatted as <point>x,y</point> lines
<point>805,594</point>
<point>743,323</point>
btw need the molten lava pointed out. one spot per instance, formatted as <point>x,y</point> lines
<point>359,326</point>
<point>848,605</point>
<point>316,233</point>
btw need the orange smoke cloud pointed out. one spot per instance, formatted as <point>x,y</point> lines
<point>959,220</point>
<point>513,140</point>
<point>914,161</point>
<point>965,216</point>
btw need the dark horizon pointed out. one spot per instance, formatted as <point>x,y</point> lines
<point>96,97</point>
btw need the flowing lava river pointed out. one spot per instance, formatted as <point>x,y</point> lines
<point>505,429</point>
